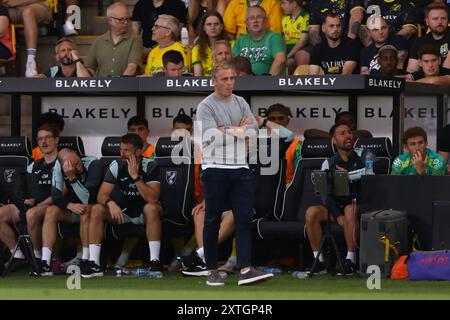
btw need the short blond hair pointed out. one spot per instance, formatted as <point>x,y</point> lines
<point>221,66</point>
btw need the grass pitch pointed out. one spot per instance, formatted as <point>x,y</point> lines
<point>174,286</point>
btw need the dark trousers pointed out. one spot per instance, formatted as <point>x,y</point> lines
<point>225,189</point>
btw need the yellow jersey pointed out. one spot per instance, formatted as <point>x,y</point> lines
<point>206,62</point>
<point>155,62</point>
<point>293,29</point>
<point>236,11</point>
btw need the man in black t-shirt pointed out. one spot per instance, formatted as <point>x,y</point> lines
<point>379,32</point>
<point>350,11</point>
<point>137,179</point>
<point>388,62</point>
<point>436,17</point>
<point>146,12</point>
<point>343,210</point>
<point>36,196</point>
<point>399,14</point>
<point>336,55</point>
<point>430,62</point>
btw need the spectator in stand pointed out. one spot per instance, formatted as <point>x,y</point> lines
<point>173,65</point>
<point>436,18</point>
<point>379,33</point>
<point>117,52</point>
<point>430,62</point>
<point>68,62</point>
<point>351,13</point>
<point>197,10</point>
<point>336,55</point>
<point>264,48</point>
<point>211,30</point>
<point>146,12</point>
<point>6,46</point>
<point>399,15</point>
<point>235,16</point>
<point>32,14</point>
<point>243,66</point>
<point>388,61</point>
<point>418,159</point>
<point>221,52</point>
<point>166,32</point>
<point>295,31</point>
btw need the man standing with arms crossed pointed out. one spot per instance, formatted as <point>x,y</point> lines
<point>226,121</point>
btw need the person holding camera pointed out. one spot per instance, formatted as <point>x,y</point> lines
<point>340,209</point>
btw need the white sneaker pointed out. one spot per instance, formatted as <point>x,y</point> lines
<point>31,69</point>
<point>69,29</point>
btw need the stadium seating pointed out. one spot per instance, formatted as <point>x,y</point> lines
<point>269,187</point>
<point>290,223</point>
<point>382,147</point>
<point>15,156</point>
<point>72,142</point>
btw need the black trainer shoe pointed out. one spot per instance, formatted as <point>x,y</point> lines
<point>197,270</point>
<point>190,260</point>
<point>319,269</point>
<point>154,269</point>
<point>350,268</point>
<point>92,270</point>
<point>46,270</point>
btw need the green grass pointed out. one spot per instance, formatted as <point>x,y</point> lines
<point>174,286</point>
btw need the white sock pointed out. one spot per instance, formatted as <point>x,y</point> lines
<point>320,257</point>
<point>154,247</point>
<point>38,254</point>
<point>94,253</point>
<point>351,256</point>
<point>18,254</point>
<point>201,253</point>
<point>85,255</point>
<point>232,260</point>
<point>47,255</point>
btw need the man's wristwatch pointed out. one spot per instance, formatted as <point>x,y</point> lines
<point>139,178</point>
<point>79,60</point>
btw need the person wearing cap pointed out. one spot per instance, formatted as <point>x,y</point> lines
<point>380,35</point>
<point>68,62</point>
<point>165,32</point>
<point>388,61</point>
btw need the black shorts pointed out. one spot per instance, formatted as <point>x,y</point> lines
<point>336,207</point>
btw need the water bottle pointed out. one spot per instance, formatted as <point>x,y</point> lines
<point>155,274</point>
<point>273,270</point>
<point>300,274</point>
<point>184,36</point>
<point>369,161</point>
<point>139,272</point>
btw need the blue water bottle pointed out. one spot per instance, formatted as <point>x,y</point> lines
<point>300,274</point>
<point>139,272</point>
<point>273,270</point>
<point>369,161</point>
